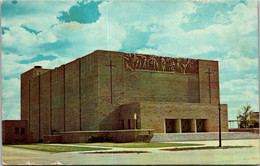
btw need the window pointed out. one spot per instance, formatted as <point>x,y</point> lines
<point>16,130</point>
<point>129,124</point>
<point>22,131</point>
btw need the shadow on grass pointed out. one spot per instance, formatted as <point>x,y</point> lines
<point>206,148</point>
<point>116,152</point>
<point>138,144</point>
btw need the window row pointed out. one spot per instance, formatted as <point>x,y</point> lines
<point>20,130</point>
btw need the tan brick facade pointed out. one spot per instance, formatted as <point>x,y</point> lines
<point>153,115</point>
<point>103,90</point>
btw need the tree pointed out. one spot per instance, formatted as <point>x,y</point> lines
<point>245,116</point>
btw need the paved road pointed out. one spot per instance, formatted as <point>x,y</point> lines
<point>242,156</point>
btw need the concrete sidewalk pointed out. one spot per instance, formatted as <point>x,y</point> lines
<point>202,136</point>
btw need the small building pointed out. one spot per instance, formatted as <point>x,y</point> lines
<point>14,131</point>
<point>114,91</point>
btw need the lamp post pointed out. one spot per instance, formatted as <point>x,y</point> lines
<point>219,109</point>
<point>135,118</point>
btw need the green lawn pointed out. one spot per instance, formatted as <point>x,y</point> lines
<point>138,144</point>
<point>53,148</point>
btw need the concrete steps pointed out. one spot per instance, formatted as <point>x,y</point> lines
<point>169,137</point>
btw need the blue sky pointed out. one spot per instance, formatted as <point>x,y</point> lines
<point>51,33</point>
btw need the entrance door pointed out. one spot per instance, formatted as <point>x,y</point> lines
<point>186,125</point>
<point>169,125</point>
<point>201,125</point>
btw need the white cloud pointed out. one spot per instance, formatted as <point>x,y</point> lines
<point>47,64</point>
<point>47,36</point>
<point>11,66</point>
<point>148,51</point>
<point>19,40</point>
<point>240,92</point>
<point>17,68</point>
<point>245,17</point>
<point>242,64</point>
<point>85,38</point>
<point>11,98</point>
<point>237,100</point>
<point>163,19</point>
<point>147,12</point>
<point>39,15</point>
<point>11,110</point>
<point>216,37</point>
<point>12,87</point>
<point>240,85</point>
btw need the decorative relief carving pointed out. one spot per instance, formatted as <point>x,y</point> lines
<point>157,63</point>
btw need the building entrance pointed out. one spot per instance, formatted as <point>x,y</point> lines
<point>172,126</point>
<point>201,125</point>
<point>169,124</point>
<point>186,125</point>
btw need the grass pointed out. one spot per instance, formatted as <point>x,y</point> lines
<point>138,144</point>
<point>53,148</point>
<point>206,148</point>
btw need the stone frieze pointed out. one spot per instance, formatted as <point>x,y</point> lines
<point>158,63</point>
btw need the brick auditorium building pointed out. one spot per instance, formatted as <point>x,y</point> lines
<point>122,94</point>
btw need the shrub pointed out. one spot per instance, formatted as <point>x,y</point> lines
<point>96,138</point>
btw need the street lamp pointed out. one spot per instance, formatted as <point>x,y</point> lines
<point>219,109</point>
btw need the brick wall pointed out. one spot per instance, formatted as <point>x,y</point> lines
<point>133,86</point>
<point>107,112</point>
<point>25,85</point>
<point>89,93</point>
<point>181,111</point>
<point>34,126</point>
<point>115,135</point>
<point>77,96</point>
<point>30,101</point>
<point>57,89</point>
<point>127,113</point>
<point>253,130</point>
<point>153,115</point>
<point>161,87</point>
<point>48,139</point>
<point>208,85</point>
<point>45,105</point>
<point>72,100</point>
<point>9,134</point>
<point>24,97</point>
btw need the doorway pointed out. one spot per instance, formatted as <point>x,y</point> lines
<point>186,125</point>
<point>201,125</point>
<point>170,125</point>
